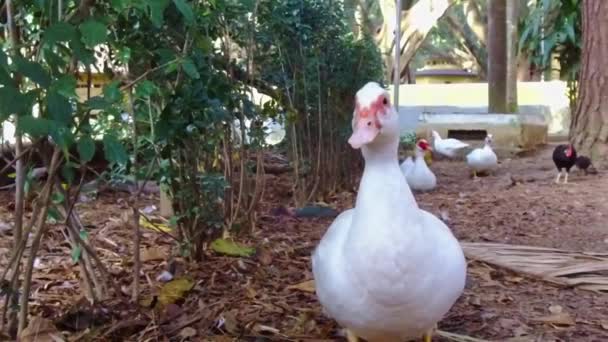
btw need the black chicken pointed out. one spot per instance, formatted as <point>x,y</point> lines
<point>564,157</point>
<point>584,163</point>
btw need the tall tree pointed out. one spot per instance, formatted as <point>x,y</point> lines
<point>417,20</point>
<point>512,45</point>
<point>497,56</point>
<point>589,126</point>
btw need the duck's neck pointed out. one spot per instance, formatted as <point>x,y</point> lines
<point>383,184</point>
<point>419,154</point>
<point>381,154</point>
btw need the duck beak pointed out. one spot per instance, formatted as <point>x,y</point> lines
<point>364,132</point>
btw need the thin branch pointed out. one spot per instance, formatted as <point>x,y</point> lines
<point>19,156</point>
<point>45,199</point>
<point>146,73</point>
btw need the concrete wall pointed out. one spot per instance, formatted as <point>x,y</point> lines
<point>547,98</point>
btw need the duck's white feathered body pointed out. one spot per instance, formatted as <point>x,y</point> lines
<point>447,147</point>
<point>483,158</point>
<point>386,269</point>
<point>418,176</point>
<point>407,165</point>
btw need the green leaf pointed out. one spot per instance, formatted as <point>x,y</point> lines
<point>93,32</point>
<point>57,197</point>
<point>145,88</point>
<point>97,102</point>
<point>231,248</point>
<point>65,86</point>
<point>60,32</point>
<point>67,172</point>
<point>185,9</point>
<point>60,109</point>
<point>124,55</point>
<point>118,5</point>
<point>5,78</point>
<point>34,71</point>
<point>86,148</point>
<point>76,253</point>
<point>53,216</point>
<point>113,150</point>
<point>11,102</point>
<point>111,92</point>
<point>35,127</point>
<point>62,136</point>
<point>157,9</point>
<point>85,55</point>
<point>54,60</point>
<point>3,60</point>
<point>190,68</point>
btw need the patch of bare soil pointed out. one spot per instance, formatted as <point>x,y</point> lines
<point>267,297</point>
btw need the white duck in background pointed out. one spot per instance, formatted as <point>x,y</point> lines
<point>447,147</point>
<point>417,174</point>
<point>407,165</point>
<point>386,270</point>
<point>483,158</point>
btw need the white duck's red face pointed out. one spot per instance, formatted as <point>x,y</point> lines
<point>424,145</point>
<point>372,110</point>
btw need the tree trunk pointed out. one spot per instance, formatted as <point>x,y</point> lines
<point>497,56</point>
<point>512,46</point>
<point>475,21</point>
<point>523,68</point>
<point>468,39</point>
<point>589,126</point>
<point>415,26</point>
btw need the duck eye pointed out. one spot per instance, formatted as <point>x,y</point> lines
<point>385,101</point>
<point>369,123</point>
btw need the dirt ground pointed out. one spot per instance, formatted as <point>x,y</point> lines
<point>262,298</point>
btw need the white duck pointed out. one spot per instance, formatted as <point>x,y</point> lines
<point>386,270</point>
<point>447,147</point>
<point>407,165</point>
<point>483,158</point>
<point>417,174</point>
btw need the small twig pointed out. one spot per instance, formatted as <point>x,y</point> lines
<point>18,157</point>
<point>136,255</point>
<point>457,337</point>
<point>45,198</point>
<point>134,205</point>
<point>146,73</point>
<point>72,203</point>
<point>104,271</point>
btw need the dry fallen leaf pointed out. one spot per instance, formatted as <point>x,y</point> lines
<point>40,330</point>
<point>152,253</point>
<point>260,328</point>
<point>560,319</point>
<point>187,332</point>
<point>306,286</point>
<point>231,248</point>
<point>250,293</point>
<point>228,322</point>
<point>265,256</point>
<point>555,309</point>
<point>174,290</point>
